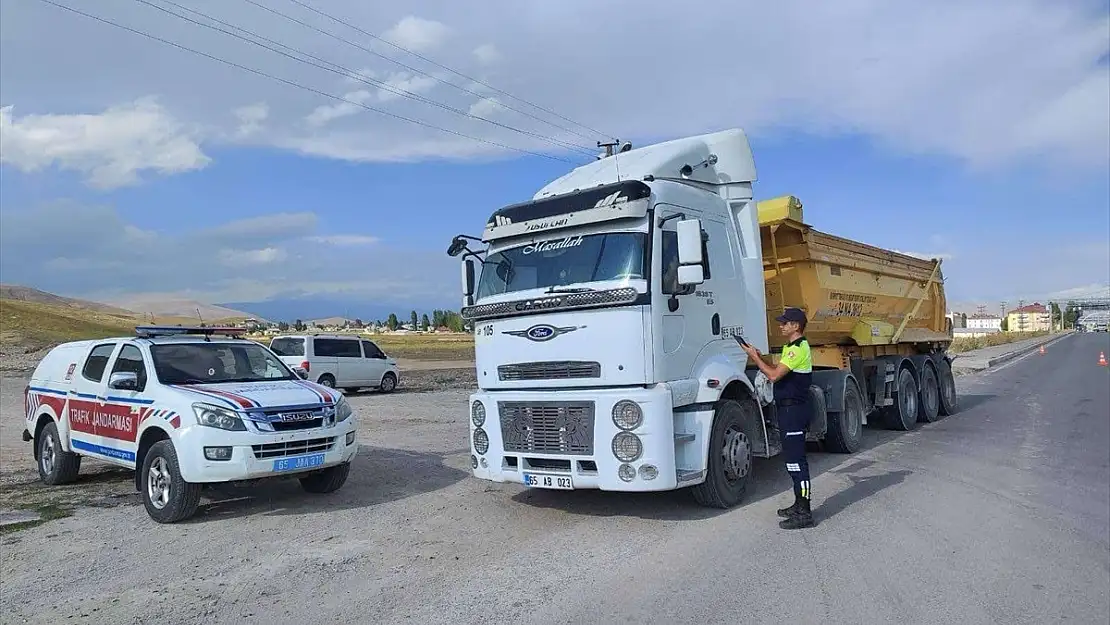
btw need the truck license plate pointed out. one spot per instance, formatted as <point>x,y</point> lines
<point>557,482</point>
<point>298,462</point>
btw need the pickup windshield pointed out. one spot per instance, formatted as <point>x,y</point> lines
<point>210,363</point>
<point>564,260</point>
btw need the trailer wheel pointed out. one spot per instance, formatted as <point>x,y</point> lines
<point>949,401</point>
<point>929,395</point>
<point>902,415</point>
<point>845,433</point>
<point>730,456</point>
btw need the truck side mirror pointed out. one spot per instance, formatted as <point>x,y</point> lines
<point>690,274</point>
<point>468,280</point>
<point>690,267</point>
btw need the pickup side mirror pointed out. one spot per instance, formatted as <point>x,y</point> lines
<point>690,260</point>
<point>124,381</point>
<point>468,281</point>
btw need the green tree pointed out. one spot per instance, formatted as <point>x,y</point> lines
<point>414,319</point>
<point>424,323</point>
<point>392,323</point>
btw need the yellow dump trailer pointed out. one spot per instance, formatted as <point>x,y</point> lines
<point>877,313</point>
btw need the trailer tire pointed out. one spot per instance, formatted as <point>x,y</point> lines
<point>949,401</point>
<point>902,414</point>
<point>929,394</point>
<point>845,429</point>
<point>728,437</point>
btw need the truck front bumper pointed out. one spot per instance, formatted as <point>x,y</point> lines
<point>565,440</point>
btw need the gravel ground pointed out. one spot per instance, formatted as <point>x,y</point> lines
<point>998,514</point>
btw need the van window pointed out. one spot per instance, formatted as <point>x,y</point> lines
<point>372,351</point>
<point>130,360</point>
<point>287,347</point>
<point>342,348</point>
<point>97,361</point>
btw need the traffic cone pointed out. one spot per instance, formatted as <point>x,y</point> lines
<point>1042,349</point>
<point>1102,359</point>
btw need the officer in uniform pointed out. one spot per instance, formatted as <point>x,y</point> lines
<point>791,378</point>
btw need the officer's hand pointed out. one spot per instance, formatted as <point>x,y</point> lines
<point>751,351</point>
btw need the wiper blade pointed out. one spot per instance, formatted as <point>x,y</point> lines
<point>582,289</point>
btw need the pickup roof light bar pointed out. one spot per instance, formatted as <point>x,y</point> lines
<point>148,332</point>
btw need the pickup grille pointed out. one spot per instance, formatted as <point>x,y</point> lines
<point>551,370</point>
<point>557,427</point>
<point>292,448</point>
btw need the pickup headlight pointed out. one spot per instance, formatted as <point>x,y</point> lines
<point>219,418</point>
<point>342,409</point>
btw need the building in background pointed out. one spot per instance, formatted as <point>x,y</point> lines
<point>984,321</point>
<point>1034,317</point>
<point>959,320</point>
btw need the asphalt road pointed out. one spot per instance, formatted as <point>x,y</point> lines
<point>999,514</point>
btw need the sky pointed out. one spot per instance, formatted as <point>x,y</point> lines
<point>976,131</point>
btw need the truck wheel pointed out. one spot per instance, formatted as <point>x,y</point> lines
<point>729,466</point>
<point>167,497</point>
<point>929,395</point>
<point>56,465</point>
<point>902,415</point>
<point>949,401</point>
<point>329,480</point>
<point>845,434</point>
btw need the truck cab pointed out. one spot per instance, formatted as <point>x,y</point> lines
<point>604,314</point>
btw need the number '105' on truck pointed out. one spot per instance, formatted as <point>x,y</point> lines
<point>605,312</point>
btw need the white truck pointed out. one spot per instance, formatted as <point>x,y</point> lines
<point>605,314</point>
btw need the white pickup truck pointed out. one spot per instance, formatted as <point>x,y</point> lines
<point>184,409</point>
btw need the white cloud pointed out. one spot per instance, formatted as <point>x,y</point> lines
<point>111,148</point>
<point>927,255</point>
<point>250,118</point>
<point>263,256</point>
<point>344,239</point>
<point>417,34</point>
<point>956,79</point>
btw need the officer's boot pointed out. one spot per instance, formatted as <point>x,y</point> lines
<point>792,509</point>
<point>802,518</point>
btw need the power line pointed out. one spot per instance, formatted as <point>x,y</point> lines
<point>347,72</point>
<point>296,84</point>
<point>415,69</point>
<point>437,64</point>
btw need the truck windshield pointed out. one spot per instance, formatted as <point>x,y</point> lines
<point>565,260</point>
<point>212,363</point>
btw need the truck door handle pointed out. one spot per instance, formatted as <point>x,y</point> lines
<point>715,324</point>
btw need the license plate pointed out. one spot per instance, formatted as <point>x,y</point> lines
<point>298,462</point>
<point>557,482</point>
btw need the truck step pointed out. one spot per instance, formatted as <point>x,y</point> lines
<point>684,437</point>
<point>687,475</point>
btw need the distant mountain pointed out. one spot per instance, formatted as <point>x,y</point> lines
<point>317,308</point>
<point>160,306</point>
<point>29,294</point>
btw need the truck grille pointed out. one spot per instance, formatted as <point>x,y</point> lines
<point>293,448</point>
<point>551,370</point>
<point>557,427</point>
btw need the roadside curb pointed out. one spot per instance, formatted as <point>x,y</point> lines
<point>998,360</point>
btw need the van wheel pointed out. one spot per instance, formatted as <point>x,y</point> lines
<point>167,497</point>
<point>729,466</point>
<point>389,382</point>
<point>327,380</point>
<point>329,480</point>
<point>949,402</point>
<point>845,433</point>
<point>902,415</point>
<point>930,395</point>
<point>56,465</point>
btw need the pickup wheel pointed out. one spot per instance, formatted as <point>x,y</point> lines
<point>902,415</point>
<point>56,465</point>
<point>929,395</point>
<point>328,480</point>
<point>167,497</point>
<point>949,402</point>
<point>845,433</point>
<point>729,466</point>
<point>389,382</point>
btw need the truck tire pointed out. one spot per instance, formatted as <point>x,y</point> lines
<point>56,465</point>
<point>166,496</point>
<point>902,414</point>
<point>845,434</point>
<point>328,480</point>
<point>729,465</point>
<point>929,394</point>
<point>949,401</point>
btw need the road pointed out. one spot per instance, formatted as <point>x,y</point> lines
<point>999,514</point>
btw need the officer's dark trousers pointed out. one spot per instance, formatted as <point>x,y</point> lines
<point>793,421</point>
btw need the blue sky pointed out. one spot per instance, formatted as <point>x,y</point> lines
<point>133,170</point>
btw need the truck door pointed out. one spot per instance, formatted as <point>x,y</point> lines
<point>694,322</point>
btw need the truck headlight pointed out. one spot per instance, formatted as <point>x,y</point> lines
<point>627,415</point>
<point>219,418</point>
<point>478,413</point>
<point>627,447</point>
<point>342,409</point>
<point>481,441</point>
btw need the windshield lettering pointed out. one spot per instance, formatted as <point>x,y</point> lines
<point>544,246</point>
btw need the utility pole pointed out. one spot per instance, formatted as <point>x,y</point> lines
<point>1021,315</point>
<point>608,147</point>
